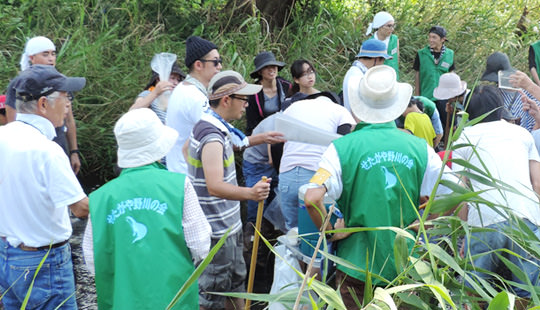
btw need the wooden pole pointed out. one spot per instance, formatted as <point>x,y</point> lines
<point>255,249</point>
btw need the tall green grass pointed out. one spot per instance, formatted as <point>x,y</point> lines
<point>111,44</point>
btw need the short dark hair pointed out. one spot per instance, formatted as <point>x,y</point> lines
<point>214,103</point>
<point>416,102</point>
<point>484,99</point>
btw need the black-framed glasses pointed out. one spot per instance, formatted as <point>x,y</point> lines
<point>70,96</point>
<point>392,26</point>
<point>216,62</point>
<point>239,98</point>
<point>308,72</point>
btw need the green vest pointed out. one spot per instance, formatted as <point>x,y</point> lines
<point>536,48</point>
<point>431,72</point>
<point>392,51</point>
<point>372,157</point>
<point>429,106</point>
<point>140,253</point>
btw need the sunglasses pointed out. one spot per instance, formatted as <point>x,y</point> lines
<point>216,62</point>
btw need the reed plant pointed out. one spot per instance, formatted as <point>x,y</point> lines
<point>111,44</point>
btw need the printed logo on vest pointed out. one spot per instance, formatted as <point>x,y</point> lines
<point>390,157</point>
<point>139,230</point>
<point>394,51</point>
<point>445,65</point>
<point>136,204</point>
<point>390,178</point>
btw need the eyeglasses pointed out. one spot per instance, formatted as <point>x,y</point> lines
<point>392,26</point>
<point>216,62</point>
<point>240,98</point>
<point>308,72</point>
<point>70,96</point>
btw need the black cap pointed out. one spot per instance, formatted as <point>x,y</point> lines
<point>438,30</point>
<point>43,80</point>
<point>196,48</point>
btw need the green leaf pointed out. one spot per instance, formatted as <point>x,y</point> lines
<point>27,296</point>
<point>503,300</point>
<point>401,253</point>
<point>199,270</point>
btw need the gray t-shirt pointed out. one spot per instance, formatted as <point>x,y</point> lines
<point>258,154</point>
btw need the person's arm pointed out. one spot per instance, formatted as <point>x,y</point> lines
<point>71,135</point>
<point>269,150</point>
<point>416,68</point>
<point>185,148</point>
<point>253,117</point>
<point>533,110</point>
<point>88,248</point>
<point>398,52</point>
<point>212,162</point>
<point>532,66</point>
<point>197,230</point>
<point>270,137</point>
<point>417,83</point>
<point>80,208</point>
<point>314,199</point>
<point>146,101</point>
<point>534,168</point>
<point>521,80</point>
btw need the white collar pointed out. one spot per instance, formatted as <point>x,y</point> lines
<point>39,122</point>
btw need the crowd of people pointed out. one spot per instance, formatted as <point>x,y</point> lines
<point>177,193</point>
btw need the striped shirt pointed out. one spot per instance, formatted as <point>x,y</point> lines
<point>512,102</point>
<point>220,213</point>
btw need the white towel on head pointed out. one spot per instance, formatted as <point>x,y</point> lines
<point>34,46</point>
<point>379,19</point>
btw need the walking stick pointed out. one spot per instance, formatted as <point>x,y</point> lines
<point>255,249</point>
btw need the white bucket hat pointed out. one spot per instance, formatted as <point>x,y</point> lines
<point>378,97</point>
<point>450,86</point>
<point>142,138</point>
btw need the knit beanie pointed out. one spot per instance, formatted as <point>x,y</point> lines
<point>196,48</point>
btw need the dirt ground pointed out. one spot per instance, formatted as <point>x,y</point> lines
<point>84,281</point>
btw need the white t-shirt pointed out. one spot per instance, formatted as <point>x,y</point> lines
<point>352,78</point>
<point>320,112</point>
<point>505,150</point>
<point>186,105</point>
<point>36,184</point>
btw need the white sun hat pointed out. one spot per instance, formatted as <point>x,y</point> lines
<point>378,97</point>
<point>142,138</point>
<point>450,86</point>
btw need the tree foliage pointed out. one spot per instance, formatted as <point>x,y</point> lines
<point>111,44</point>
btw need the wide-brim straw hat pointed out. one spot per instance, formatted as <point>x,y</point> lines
<point>142,138</point>
<point>264,59</point>
<point>450,86</point>
<point>378,97</point>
